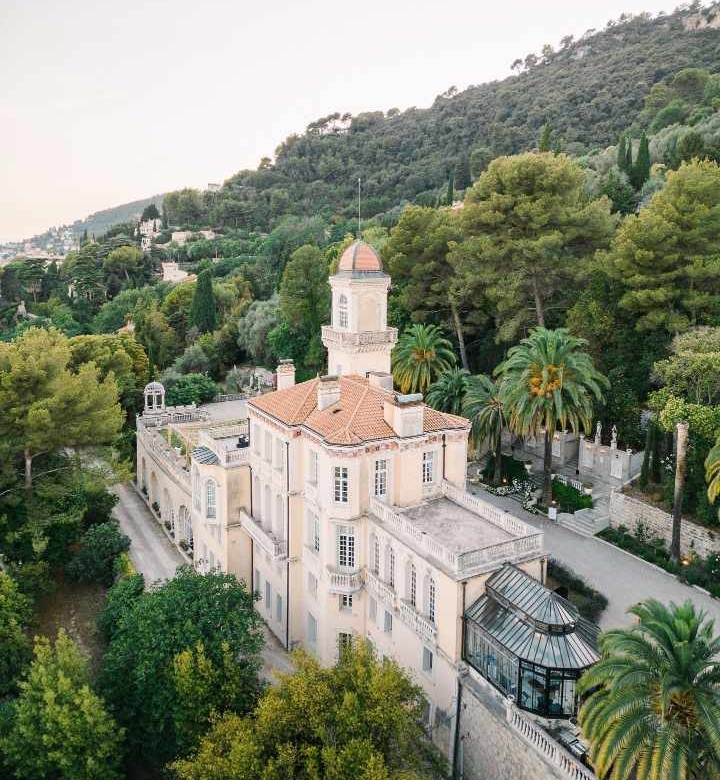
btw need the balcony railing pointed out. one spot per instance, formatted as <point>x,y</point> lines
<point>527,540</point>
<point>419,623</point>
<point>275,548</point>
<point>552,751</point>
<point>342,338</point>
<point>380,589</point>
<point>220,442</point>
<point>165,455</point>
<point>344,582</point>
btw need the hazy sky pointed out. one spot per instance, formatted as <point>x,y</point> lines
<point>102,103</point>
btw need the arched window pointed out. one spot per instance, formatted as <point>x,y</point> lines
<point>210,499</point>
<point>412,584</point>
<point>375,552</point>
<point>343,311</point>
<point>390,566</point>
<point>196,488</point>
<point>430,599</point>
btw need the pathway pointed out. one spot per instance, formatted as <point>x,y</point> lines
<point>157,559</point>
<point>621,577</point>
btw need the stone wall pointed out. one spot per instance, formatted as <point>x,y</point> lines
<point>631,512</point>
<point>489,748</point>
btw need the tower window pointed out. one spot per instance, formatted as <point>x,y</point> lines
<point>342,311</point>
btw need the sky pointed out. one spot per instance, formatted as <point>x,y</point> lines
<point>103,103</point>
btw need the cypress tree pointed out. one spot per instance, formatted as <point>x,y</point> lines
<point>641,169</point>
<point>202,309</point>
<point>628,158</point>
<point>622,153</point>
<point>545,140</point>
<point>656,460</point>
<point>645,470</point>
<point>450,190</point>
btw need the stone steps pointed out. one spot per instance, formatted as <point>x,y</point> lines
<point>588,522</point>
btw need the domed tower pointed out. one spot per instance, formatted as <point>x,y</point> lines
<point>359,339</point>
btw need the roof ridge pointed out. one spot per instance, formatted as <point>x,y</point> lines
<point>311,388</point>
<point>355,410</point>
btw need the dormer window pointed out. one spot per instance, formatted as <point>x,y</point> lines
<point>342,311</point>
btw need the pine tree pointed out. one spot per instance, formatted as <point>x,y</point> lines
<point>641,169</point>
<point>450,190</point>
<point>203,314</point>
<point>628,158</point>
<point>622,154</point>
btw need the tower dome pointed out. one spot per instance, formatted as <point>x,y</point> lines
<point>360,258</point>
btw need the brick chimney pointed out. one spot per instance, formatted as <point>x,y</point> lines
<point>285,374</point>
<point>404,414</point>
<point>328,391</point>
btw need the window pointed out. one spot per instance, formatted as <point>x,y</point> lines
<point>268,596</point>
<point>278,608</point>
<point>268,446</point>
<point>341,484</point>
<point>196,488</point>
<point>428,467</point>
<point>210,498</point>
<point>391,567</point>
<point>372,608</point>
<point>343,311</point>
<point>344,641</point>
<point>313,467</point>
<point>431,600</point>
<point>427,660</point>
<point>257,582</point>
<point>380,486</point>
<point>346,601</point>
<point>346,547</point>
<point>312,584</point>
<point>316,533</point>
<point>412,585</point>
<point>375,562</point>
<point>387,626</point>
<point>311,628</point>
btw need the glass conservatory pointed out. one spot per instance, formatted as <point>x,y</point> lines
<point>529,642</point>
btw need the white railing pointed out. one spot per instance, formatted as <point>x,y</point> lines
<point>344,582</point>
<point>348,339</point>
<point>222,442</point>
<point>167,458</point>
<point>565,480</point>
<point>220,397</point>
<point>419,623</point>
<point>276,548</point>
<point>226,431</point>
<point>552,751</point>
<point>382,590</point>
<point>527,539</point>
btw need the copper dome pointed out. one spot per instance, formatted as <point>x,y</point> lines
<point>360,257</point>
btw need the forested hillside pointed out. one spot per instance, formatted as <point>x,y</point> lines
<point>101,221</point>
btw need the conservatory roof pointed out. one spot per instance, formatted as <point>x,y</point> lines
<point>533,623</point>
<point>205,455</point>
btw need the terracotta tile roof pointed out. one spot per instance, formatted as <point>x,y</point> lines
<point>356,418</point>
<point>360,257</point>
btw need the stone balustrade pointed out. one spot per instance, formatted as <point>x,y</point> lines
<point>331,335</point>
<point>550,749</point>
<point>275,548</point>
<point>382,590</point>
<point>344,582</point>
<point>167,458</point>
<point>421,625</point>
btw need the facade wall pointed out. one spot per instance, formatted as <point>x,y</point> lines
<point>632,513</point>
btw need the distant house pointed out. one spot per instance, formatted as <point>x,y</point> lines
<point>181,237</point>
<point>173,273</point>
<point>148,230</point>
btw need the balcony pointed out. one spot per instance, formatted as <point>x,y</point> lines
<point>275,548</point>
<point>341,338</point>
<point>419,623</point>
<point>225,442</point>
<point>384,592</point>
<point>344,582</point>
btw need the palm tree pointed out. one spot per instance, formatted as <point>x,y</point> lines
<point>681,445</point>
<point>421,355</point>
<point>712,472</point>
<point>549,380</point>
<point>483,407</point>
<point>447,393</point>
<point>653,701</point>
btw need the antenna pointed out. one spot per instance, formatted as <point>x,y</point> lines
<point>359,223</point>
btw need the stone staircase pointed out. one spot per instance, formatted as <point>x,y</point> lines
<point>588,522</point>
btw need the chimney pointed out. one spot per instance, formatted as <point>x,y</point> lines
<point>328,391</point>
<point>381,380</point>
<point>404,414</point>
<point>285,374</point>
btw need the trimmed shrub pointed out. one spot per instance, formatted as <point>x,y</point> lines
<point>99,547</point>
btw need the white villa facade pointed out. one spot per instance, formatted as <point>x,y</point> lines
<point>343,503</point>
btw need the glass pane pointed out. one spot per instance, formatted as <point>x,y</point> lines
<point>533,695</point>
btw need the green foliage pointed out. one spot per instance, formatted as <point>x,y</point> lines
<point>641,169</point>
<point>590,602</point>
<point>189,389</point>
<point>148,634</point>
<point>99,548</point>
<point>121,599</point>
<point>483,406</point>
<point>666,255</point>
<point>254,327</point>
<point>422,355</point>
<point>693,369</point>
<point>652,706</point>
<point>60,728</point>
<point>203,314</point>
<point>568,498</point>
<point>15,614</point>
<point>360,719</point>
<point>447,393</point>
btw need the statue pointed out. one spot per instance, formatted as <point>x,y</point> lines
<point>598,432</point>
<point>613,439</point>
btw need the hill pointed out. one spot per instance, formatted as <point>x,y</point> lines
<point>100,221</point>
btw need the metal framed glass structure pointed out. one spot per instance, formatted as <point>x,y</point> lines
<point>529,642</point>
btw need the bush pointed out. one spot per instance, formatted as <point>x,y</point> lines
<point>121,599</point>
<point>570,499</point>
<point>589,602</point>
<point>191,388</point>
<point>94,561</point>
